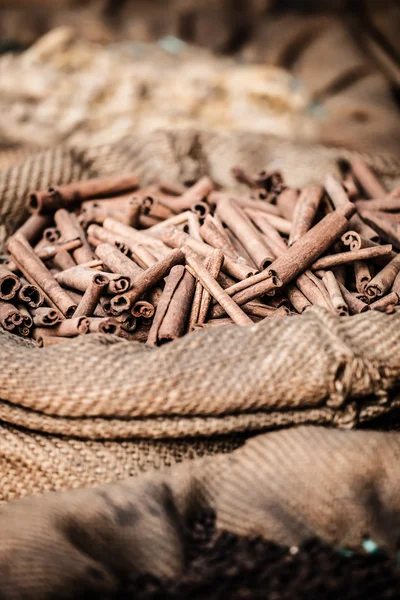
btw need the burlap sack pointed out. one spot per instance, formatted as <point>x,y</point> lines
<point>286,486</point>
<point>99,408</point>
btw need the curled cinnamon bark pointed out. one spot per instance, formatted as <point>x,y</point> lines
<point>96,288</point>
<point>80,278</point>
<point>147,280</point>
<point>213,287</point>
<point>241,226</point>
<point>306,209</point>
<point>74,193</point>
<point>383,281</point>
<point>9,284</point>
<point>34,270</point>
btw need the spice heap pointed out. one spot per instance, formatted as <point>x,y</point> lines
<point>154,263</point>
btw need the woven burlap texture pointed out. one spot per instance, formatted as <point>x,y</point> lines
<point>287,486</point>
<point>64,410</point>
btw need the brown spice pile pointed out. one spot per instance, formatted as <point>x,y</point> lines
<point>152,264</point>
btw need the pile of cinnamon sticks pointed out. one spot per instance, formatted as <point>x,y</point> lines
<point>154,263</point>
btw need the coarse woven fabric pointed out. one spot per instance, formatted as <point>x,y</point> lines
<point>65,410</point>
<point>287,487</point>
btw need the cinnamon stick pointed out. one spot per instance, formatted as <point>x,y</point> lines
<point>74,193</point>
<point>355,305</point>
<point>335,294</point>
<point>103,325</point>
<point>389,300</point>
<point>70,229</point>
<point>384,204</point>
<point>9,283</point>
<point>34,269</point>
<point>362,275</point>
<point>177,239</point>
<point>66,328</point>
<point>196,193</point>
<point>383,281</point>
<point>286,203</point>
<point>117,262</point>
<point>297,299</point>
<point>34,226</point>
<point>147,280</point>
<point>80,278</point>
<point>172,282</point>
<point>297,258</point>
<point>241,226</point>
<point>388,229</point>
<point>305,211</point>
<point>174,322</point>
<point>213,265</point>
<point>343,258</point>
<point>8,314</point>
<point>142,308</point>
<point>45,316</point>
<point>213,236</point>
<point>339,197</point>
<point>216,291</point>
<point>97,286</point>
<point>367,180</point>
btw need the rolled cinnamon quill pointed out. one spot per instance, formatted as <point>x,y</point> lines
<point>96,288</point>
<point>9,316</point>
<point>387,228</point>
<point>355,305</point>
<point>314,290</point>
<point>286,203</point>
<point>273,237</point>
<point>174,322</point>
<point>343,258</point>
<point>34,226</point>
<point>241,226</point>
<point>117,262</point>
<point>385,205</point>
<point>245,203</point>
<point>30,294</point>
<point>383,281</point>
<point>298,258</point>
<point>216,291</point>
<point>362,275</point>
<point>196,193</point>
<point>34,270</point>
<point>367,179</point>
<point>335,294</point>
<point>213,265</point>
<point>339,197</point>
<point>9,284</point>
<point>103,325</point>
<point>305,211</point>
<point>45,317</point>
<point>281,225</point>
<point>66,328</point>
<point>213,236</point>
<point>176,239</point>
<point>147,280</point>
<point>79,278</point>
<point>74,193</point>
<point>134,235</point>
<point>27,320</point>
<point>70,229</point>
<point>390,300</point>
<point>297,299</point>
<point>49,252</point>
<point>143,309</point>
<point>171,285</point>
